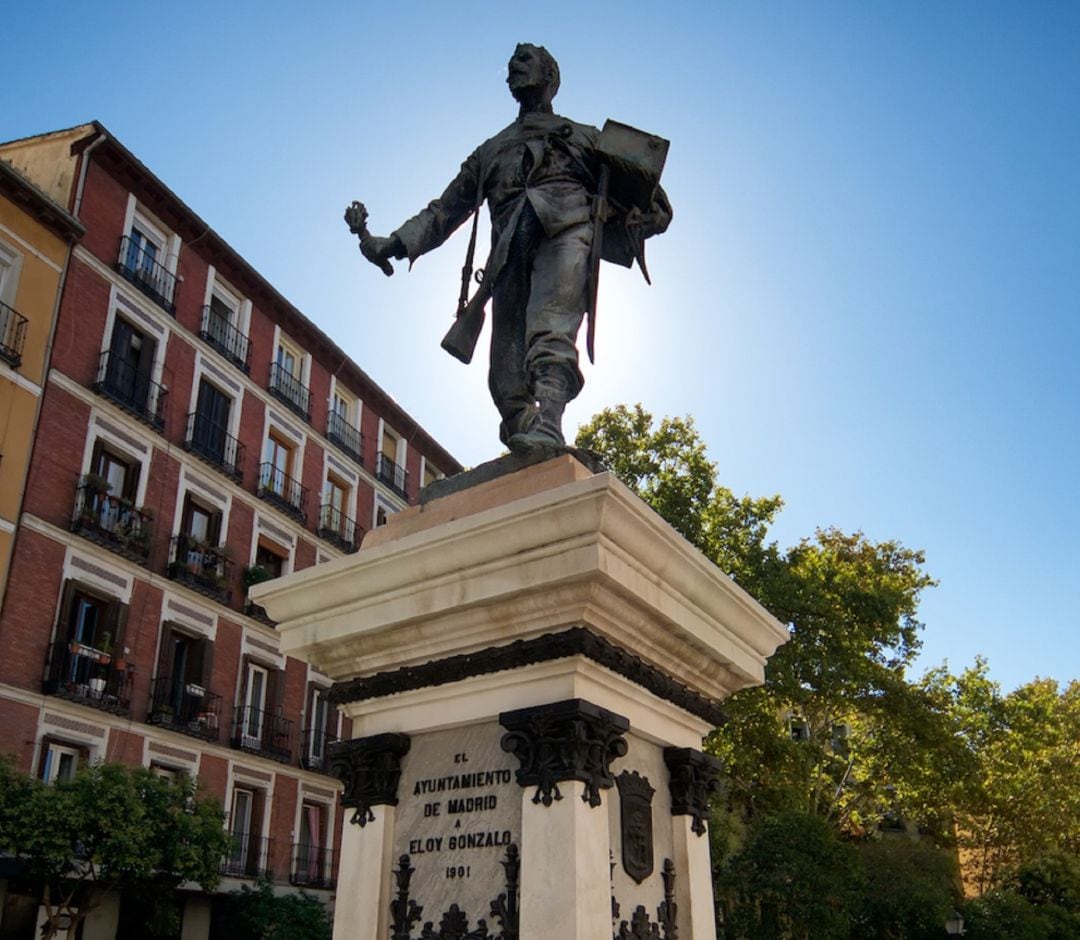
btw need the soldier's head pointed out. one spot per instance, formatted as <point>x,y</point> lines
<point>533,75</point>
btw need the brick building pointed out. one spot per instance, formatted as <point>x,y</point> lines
<point>197,434</point>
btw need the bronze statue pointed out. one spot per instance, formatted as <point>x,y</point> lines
<point>561,196</point>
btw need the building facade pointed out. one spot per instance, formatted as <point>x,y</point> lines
<point>36,236</point>
<point>197,434</point>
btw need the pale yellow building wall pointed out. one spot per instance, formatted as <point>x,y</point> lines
<point>38,277</point>
<point>47,160</point>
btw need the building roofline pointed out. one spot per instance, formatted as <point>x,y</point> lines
<point>402,422</point>
<point>44,208</point>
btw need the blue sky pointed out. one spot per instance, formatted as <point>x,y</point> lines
<point>868,299</point>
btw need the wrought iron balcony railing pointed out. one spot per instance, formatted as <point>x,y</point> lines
<point>186,707</point>
<point>337,528</point>
<point>202,567</point>
<point>132,389</point>
<point>113,522</point>
<point>391,473</point>
<point>250,856</point>
<point>348,438</point>
<point>215,445</point>
<point>288,389</point>
<point>89,676</point>
<point>313,746</point>
<point>263,732</point>
<point>225,338</point>
<point>281,490</point>
<point>313,866</point>
<point>142,268</point>
<point>12,335</point>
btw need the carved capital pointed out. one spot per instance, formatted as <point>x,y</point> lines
<point>571,740</point>
<point>693,779</point>
<point>370,768</point>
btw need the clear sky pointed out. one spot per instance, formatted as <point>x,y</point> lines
<point>868,298</point>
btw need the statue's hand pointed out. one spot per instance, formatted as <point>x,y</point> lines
<point>380,250</point>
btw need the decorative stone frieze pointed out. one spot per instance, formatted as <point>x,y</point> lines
<point>693,780</point>
<point>569,740</point>
<point>370,769</point>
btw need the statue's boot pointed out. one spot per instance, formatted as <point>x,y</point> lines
<point>546,432</point>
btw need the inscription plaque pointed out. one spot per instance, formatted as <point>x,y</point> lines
<point>458,812</point>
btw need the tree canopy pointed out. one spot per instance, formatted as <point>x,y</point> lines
<point>111,827</point>
<point>840,734</point>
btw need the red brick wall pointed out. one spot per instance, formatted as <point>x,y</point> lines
<point>225,670</point>
<point>214,776</point>
<point>77,344</point>
<point>141,639</point>
<point>57,458</point>
<point>124,747</point>
<point>30,609</point>
<point>104,205</point>
<point>282,817</point>
<point>252,419</point>
<point>18,726</point>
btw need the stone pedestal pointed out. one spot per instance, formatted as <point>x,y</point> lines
<point>530,666</point>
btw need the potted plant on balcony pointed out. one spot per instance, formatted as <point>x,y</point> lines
<point>256,574</point>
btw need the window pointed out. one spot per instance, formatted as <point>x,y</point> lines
<point>59,761</point>
<point>389,467</point>
<point>334,523</point>
<point>12,324</point>
<point>143,260</point>
<point>208,429</point>
<point>87,660</point>
<point>278,457</point>
<point>260,726</point>
<point>321,728</point>
<point>272,561</point>
<point>105,510</point>
<point>311,857</point>
<point>276,482</point>
<point>180,696</point>
<point>9,261</point>
<point>342,424</point>
<point>430,474</point>
<point>287,381</point>
<point>126,373</point>
<point>246,856</point>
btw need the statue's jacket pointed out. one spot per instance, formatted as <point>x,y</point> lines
<point>544,160</point>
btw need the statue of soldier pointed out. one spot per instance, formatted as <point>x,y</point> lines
<point>543,181</point>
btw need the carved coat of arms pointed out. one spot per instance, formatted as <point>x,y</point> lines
<point>635,814</point>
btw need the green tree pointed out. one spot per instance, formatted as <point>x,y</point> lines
<point>910,888</point>
<point>793,880</point>
<point>1021,799</point>
<point>850,604</point>
<point>259,914</point>
<point>111,828</point>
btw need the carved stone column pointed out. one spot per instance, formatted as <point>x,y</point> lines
<point>566,750</point>
<point>370,769</point>
<point>692,781</point>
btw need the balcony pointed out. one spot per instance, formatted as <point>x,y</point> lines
<point>184,707</point>
<point>131,389</point>
<point>348,438</point>
<point>313,866</point>
<point>258,612</point>
<point>313,745</point>
<point>215,445</point>
<point>201,567</point>
<point>112,521</point>
<point>141,268</point>
<point>89,676</point>
<point>249,857</point>
<point>289,390</point>
<point>262,732</point>
<point>12,335</point>
<point>337,528</point>
<point>389,472</point>
<point>218,332</point>
<point>281,490</point>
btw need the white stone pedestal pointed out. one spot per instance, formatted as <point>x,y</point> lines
<point>530,666</point>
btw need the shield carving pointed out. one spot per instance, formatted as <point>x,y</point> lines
<point>635,813</point>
